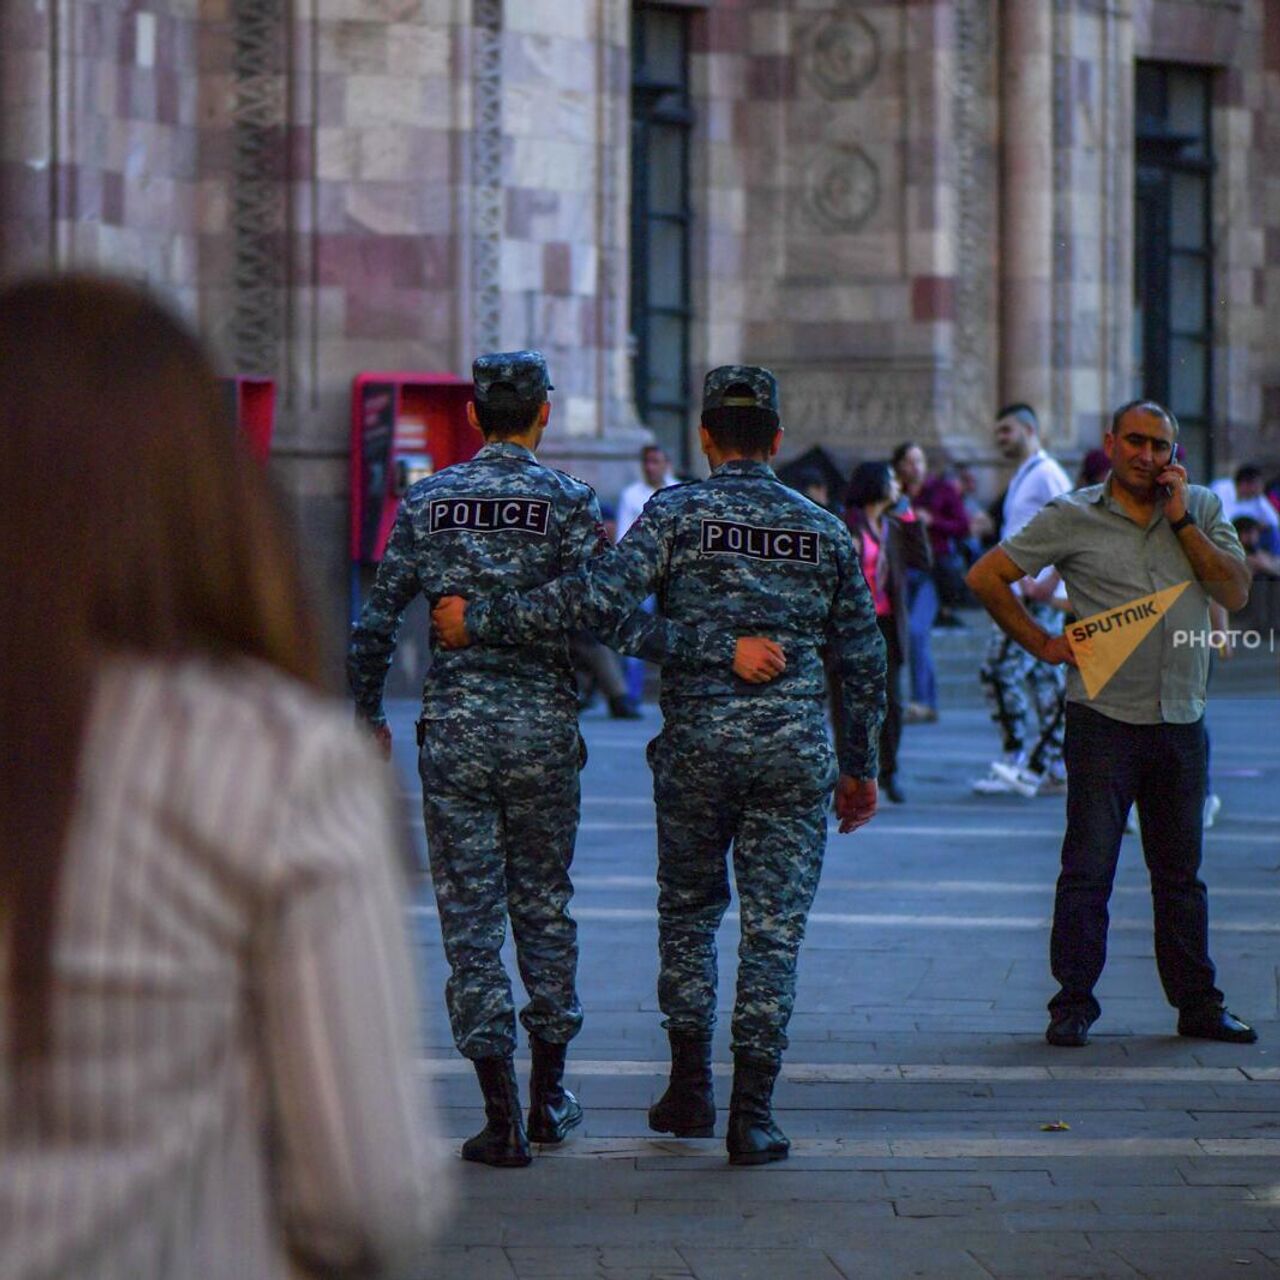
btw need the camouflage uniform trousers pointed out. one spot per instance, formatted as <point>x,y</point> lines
<point>500,802</point>
<point>1005,674</point>
<point>759,779</point>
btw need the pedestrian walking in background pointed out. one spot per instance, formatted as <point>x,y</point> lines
<point>598,668</point>
<point>940,507</point>
<point>1244,495</point>
<point>888,546</point>
<point>1008,670</point>
<point>208,1054</point>
<point>655,474</point>
<point>813,484</point>
<point>500,751</point>
<point>743,759</point>
<point>911,466</point>
<point>1141,736</point>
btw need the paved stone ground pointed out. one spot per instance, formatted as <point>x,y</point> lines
<point>918,1081</point>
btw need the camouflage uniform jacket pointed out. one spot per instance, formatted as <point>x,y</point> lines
<point>499,521</point>
<point>735,555</point>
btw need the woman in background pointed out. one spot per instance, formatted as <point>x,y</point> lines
<point>207,1023</point>
<point>888,545</point>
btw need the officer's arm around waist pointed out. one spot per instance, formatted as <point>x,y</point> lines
<point>857,649</point>
<point>641,634</point>
<point>373,637</point>
<point>601,596</point>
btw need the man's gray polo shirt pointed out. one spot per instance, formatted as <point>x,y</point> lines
<point>1107,560</point>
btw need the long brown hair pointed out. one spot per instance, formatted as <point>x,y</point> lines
<point>131,520</point>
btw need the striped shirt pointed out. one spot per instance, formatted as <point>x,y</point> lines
<point>231,1092</point>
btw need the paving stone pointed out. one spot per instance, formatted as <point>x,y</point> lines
<point>760,1264</point>
<point>791,1182</point>
<point>660,1263</point>
<point>471,1263</point>
<point>897,1259</point>
<point>1222,1221</point>
<point>1050,1256</point>
<point>801,1222</point>
<point>1217,1172</point>
<point>988,1181</point>
<point>1184,1255</point>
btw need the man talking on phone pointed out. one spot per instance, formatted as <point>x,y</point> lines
<point>1141,737</point>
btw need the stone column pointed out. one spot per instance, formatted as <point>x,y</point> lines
<point>1026,201</point>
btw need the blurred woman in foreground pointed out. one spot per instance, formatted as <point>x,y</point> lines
<point>207,1026</point>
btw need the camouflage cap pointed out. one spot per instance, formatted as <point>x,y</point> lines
<point>512,375</point>
<point>762,387</point>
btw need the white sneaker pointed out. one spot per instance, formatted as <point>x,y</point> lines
<point>1211,806</point>
<point>1021,780</point>
<point>992,786</point>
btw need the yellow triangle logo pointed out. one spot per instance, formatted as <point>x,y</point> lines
<point>1103,642</point>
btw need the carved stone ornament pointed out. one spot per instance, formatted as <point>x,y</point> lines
<point>841,189</point>
<point>840,56</point>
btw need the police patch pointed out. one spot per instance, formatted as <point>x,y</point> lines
<point>757,542</point>
<point>490,515</point>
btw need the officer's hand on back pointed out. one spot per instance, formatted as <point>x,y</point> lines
<point>757,660</point>
<point>448,621</point>
<point>1058,649</point>
<point>856,800</point>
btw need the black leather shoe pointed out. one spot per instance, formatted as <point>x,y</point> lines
<point>688,1107</point>
<point>502,1142</point>
<point>753,1136</point>
<point>1068,1031</point>
<point>622,708</point>
<point>553,1110</point>
<point>1215,1023</point>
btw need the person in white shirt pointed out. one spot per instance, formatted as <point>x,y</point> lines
<point>656,473</point>
<point>1244,496</point>
<point>1008,668</point>
<point>208,1022</point>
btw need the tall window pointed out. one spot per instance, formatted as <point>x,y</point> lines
<point>1173,258</point>
<point>661,120</point>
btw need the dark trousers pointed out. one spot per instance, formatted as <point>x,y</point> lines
<point>891,729</point>
<point>1110,765</point>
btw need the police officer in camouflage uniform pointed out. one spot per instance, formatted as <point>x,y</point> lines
<point>736,764</point>
<point>500,749</point>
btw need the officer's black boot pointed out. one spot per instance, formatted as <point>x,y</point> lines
<point>553,1110</point>
<point>688,1108</point>
<point>502,1141</point>
<point>753,1138</point>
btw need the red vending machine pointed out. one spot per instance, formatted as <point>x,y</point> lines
<point>404,426</point>
<point>251,403</point>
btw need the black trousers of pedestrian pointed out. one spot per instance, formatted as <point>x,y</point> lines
<point>891,729</point>
<point>1110,765</point>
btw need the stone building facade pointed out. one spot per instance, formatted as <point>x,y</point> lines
<point>912,210</point>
